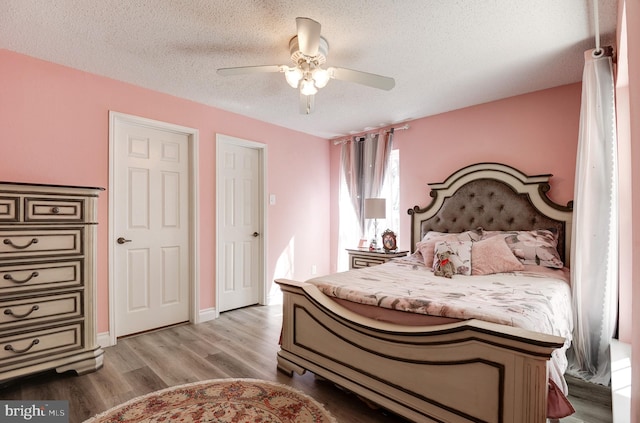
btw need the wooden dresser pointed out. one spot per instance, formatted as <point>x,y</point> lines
<point>47,279</point>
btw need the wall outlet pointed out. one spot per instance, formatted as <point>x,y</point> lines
<point>314,269</point>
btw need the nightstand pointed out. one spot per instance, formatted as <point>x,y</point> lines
<point>365,258</point>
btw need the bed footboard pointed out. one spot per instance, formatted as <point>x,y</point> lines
<point>471,371</point>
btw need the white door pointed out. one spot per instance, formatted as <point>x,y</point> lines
<point>240,233</point>
<point>151,224</point>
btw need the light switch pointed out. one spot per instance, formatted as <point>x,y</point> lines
<point>272,199</point>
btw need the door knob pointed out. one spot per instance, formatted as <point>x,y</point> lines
<point>255,234</point>
<point>121,240</point>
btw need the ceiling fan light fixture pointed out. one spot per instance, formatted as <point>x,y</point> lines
<point>307,87</point>
<point>308,51</point>
<point>320,77</point>
<point>293,76</point>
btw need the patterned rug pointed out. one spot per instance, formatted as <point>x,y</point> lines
<point>221,401</point>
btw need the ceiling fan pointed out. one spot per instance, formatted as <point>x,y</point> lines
<point>309,52</point>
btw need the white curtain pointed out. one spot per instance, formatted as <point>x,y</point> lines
<point>364,165</point>
<point>594,259</point>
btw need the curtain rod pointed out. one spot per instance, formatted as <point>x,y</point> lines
<point>596,24</point>
<point>399,128</point>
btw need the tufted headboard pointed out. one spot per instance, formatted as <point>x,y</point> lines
<point>495,197</point>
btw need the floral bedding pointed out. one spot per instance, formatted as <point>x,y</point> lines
<point>536,298</point>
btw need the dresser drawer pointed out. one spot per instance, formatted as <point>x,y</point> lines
<point>9,209</point>
<point>362,258</point>
<point>15,279</point>
<point>46,209</point>
<point>45,342</point>
<point>359,262</point>
<point>40,242</point>
<point>42,309</point>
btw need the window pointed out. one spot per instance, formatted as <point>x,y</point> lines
<point>349,227</point>
<point>391,191</point>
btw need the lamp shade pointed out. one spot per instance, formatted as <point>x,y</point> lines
<point>375,208</point>
<point>320,77</point>
<point>293,76</point>
<point>307,87</point>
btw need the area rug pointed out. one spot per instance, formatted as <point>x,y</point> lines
<point>221,400</point>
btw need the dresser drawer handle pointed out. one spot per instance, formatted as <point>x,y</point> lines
<point>55,210</point>
<point>27,279</point>
<point>21,316</point>
<point>10,347</point>
<point>20,247</point>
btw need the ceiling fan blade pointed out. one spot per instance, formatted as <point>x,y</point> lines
<point>308,36</point>
<point>364,78</point>
<point>307,103</point>
<point>244,70</point>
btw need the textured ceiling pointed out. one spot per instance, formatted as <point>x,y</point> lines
<point>443,54</point>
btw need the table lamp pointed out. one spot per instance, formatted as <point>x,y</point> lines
<point>374,208</point>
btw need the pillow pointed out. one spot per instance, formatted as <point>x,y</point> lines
<point>427,245</point>
<point>493,255</point>
<point>460,255</point>
<point>538,247</point>
<point>471,235</point>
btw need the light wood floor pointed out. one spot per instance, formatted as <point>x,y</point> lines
<point>240,344</point>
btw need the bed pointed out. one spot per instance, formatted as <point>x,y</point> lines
<point>435,366</point>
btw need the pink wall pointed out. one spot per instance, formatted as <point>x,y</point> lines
<point>54,129</point>
<point>536,133</point>
<point>633,60</point>
<point>625,258</point>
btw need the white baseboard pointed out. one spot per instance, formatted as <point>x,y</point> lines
<point>104,339</point>
<point>206,315</point>
<point>621,381</point>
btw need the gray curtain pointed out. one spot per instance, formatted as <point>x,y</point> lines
<point>364,164</point>
<point>594,252</point>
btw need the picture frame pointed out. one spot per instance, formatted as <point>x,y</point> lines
<point>389,241</point>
